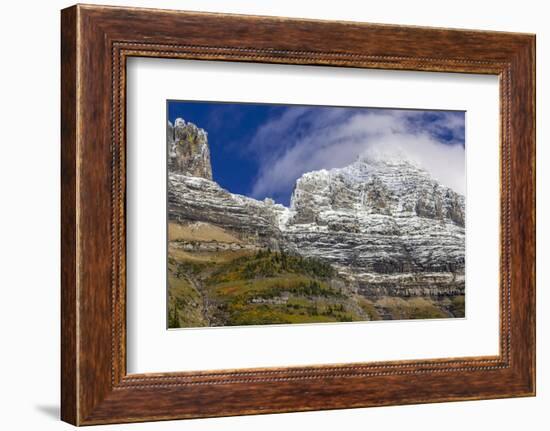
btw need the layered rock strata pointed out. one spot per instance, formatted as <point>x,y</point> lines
<point>384,223</point>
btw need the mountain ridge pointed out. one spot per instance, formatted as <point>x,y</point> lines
<point>369,207</point>
<point>387,227</point>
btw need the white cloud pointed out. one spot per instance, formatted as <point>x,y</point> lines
<point>306,139</point>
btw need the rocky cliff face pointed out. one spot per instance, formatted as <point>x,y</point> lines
<point>384,223</point>
<point>378,215</point>
<point>188,151</point>
<point>196,199</point>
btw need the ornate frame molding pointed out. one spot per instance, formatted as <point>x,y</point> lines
<point>96,41</point>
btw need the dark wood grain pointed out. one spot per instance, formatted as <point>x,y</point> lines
<point>96,41</point>
<point>69,397</point>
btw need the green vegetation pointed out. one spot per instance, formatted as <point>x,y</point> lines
<point>263,287</point>
<point>457,307</point>
<point>282,298</point>
<point>184,301</point>
<point>369,308</point>
<point>410,308</point>
<point>173,316</point>
<point>266,263</point>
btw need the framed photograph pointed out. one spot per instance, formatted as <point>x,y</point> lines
<point>266,215</point>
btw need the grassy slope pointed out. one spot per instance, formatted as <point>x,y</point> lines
<point>185,308</point>
<point>255,288</point>
<point>259,288</point>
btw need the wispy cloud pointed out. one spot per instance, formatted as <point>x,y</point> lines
<point>224,117</point>
<point>302,139</point>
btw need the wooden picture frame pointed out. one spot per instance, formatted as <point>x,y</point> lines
<point>95,43</point>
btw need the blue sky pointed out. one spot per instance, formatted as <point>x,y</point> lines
<point>259,150</point>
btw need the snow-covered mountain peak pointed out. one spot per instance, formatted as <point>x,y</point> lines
<point>390,187</point>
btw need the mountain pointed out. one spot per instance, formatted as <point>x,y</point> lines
<point>383,223</point>
<point>188,150</point>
